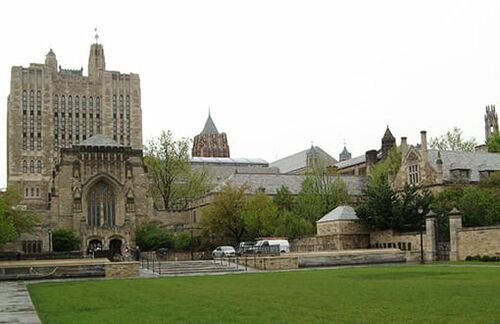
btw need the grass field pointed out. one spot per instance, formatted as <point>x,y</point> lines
<point>376,294</point>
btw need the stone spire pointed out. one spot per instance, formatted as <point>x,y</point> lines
<point>388,141</point>
<point>345,155</point>
<point>209,126</point>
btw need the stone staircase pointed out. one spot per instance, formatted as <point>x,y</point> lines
<point>171,268</point>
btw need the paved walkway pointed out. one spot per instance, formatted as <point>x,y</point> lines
<point>15,304</point>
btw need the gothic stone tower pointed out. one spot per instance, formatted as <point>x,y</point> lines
<point>51,108</point>
<point>50,111</point>
<point>490,122</point>
<point>210,143</point>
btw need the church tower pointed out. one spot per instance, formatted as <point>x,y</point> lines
<point>210,143</point>
<point>490,122</point>
<point>388,141</point>
<point>97,64</point>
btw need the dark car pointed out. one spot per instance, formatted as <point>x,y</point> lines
<point>245,248</point>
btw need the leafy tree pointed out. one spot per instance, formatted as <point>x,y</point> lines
<point>492,181</point>
<point>64,240</point>
<point>174,183</point>
<point>284,200</point>
<point>480,206</point>
<point>319,194</point>
<point>13,219</point>
<point>260,215</point>
<point>453,141</point>
<point>292,226</point>
<point>183,241</point>
<point>388,167</point>
<point>383,208</point>
<point>494,143</point>
<point>408,202</point>
<point>223,220</point>
<point>376,209</point>
<point>150,236</point>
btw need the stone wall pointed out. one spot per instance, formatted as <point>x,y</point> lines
<point>270,263</point>
<point>122,269</point>
<point>331,243</point>
<point>478,241</point>
<point>409,242</point>
<point>339,227</point>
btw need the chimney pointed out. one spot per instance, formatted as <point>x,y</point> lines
<point>423,140</point>
<point>371,160</point>
<point>403,147</point>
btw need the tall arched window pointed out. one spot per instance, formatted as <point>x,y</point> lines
<point>101,205</point>
<point>39,166</point>
<point>25,166</point>
<point>32,166</point>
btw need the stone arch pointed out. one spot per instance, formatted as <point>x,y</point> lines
<point>101,205</point>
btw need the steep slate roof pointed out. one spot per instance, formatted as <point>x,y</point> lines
<point>272,182</point>
<point>343,212</point>
<point>388,135</point>
<point>228,161</point>
<point>99,140</point>
<point>474,161</point>
<point>298,160</point>
<point>354,161</point>
<point>209,127</point>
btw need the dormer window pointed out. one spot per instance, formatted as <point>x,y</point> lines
<point>460,175</point>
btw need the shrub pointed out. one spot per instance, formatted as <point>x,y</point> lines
<point>64,240</point>
<point>151,236</point>
<point>182,241</point>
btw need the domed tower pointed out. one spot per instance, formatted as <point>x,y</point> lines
<point>210,143</point>
<point>490,122</point>
<point>388,141</point>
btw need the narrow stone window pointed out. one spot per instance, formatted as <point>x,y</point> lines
<point>25,166</point>
<point>39,166</point>
<point>413,174</point>
<point>32,166</point>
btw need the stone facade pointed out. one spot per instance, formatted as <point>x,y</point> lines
<point>71,137</point>
<point>436,169</point>
<point>333,242</point>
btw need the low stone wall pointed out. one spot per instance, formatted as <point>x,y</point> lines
<point>354,257</point>
<point>331,243</point>
<point>478,241</point>
<point>408,242</point>
<point>269,263</point>
<point>122,269</point>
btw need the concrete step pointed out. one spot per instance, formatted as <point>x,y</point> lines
<point>175,272</point>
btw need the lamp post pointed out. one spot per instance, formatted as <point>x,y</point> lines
<point>420,211</point>
<point>191,244</point>
<point>49,231</point>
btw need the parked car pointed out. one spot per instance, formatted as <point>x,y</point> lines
<point>281,246</point>
<point>224,251</point>
<point>245,248</point>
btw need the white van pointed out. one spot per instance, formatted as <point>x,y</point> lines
<point>284,246</point>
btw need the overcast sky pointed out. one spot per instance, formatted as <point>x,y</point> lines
<point>277,74</point>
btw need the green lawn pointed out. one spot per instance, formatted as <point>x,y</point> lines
<point>377,294</point>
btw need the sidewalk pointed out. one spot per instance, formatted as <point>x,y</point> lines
<point>15,304</point>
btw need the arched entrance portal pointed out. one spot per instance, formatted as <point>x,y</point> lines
<point>95,243</point>
<point>101,205</point>
<point>115,246</point>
